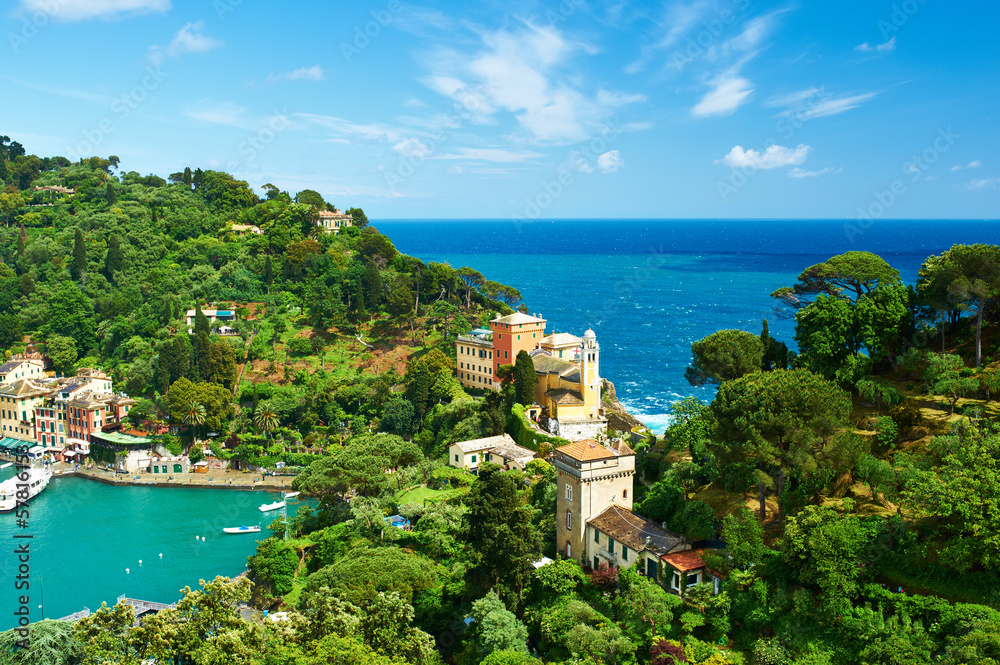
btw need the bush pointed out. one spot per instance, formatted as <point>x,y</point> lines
<point>300,346</point>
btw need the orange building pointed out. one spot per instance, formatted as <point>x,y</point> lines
<point>514,333</point>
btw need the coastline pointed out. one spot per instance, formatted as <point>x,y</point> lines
<point>215,479</point>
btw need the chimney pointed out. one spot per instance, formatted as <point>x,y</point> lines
<point>649,539</point>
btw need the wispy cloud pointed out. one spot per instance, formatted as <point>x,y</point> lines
<point>975,164</point>
<point>885,47</point>
<point>773,157</point>
<point>802,173</point>
<point>59,91</point>
<point>608,98</point>
<point>314,73</point>
<point>610,162</point>
<point>817,103</point>
<point>411,147</point>
<point>189,39</point>
<point>355,132</point>
<point>980,184</point>
<point>69,11</point>
<point>218,113</point>
<point>499,155</point>
<point>729,93</point>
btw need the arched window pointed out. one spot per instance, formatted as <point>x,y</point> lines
<point>569,520</point>
<point>569,550</point>
<point>624,494</point>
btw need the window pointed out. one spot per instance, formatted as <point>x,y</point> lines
<point>473,459</point>
<point>569,492</point>
<point>651,569</point>
<point>611,545</point>
<point>569,550</point>
<point>597,536</point>
<point>624,553</point>
<point>624,494</point>
<point>597,562</point>
<point>715,586</point>
<point>456,457</point>
<point>569,520</point>
<point>692,579</point>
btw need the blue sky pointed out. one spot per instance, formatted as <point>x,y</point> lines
<point>706,108</point>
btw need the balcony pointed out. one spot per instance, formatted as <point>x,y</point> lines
<point>605,554</point>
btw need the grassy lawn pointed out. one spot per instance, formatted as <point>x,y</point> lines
<point>422,494</point>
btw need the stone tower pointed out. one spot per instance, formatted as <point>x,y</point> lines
<point>590,477</point>
<point>590,367</point>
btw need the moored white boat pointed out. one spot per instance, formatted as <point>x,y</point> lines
<point>37,480</point>
<point>268,507</point>
<point>291,495</point>
<point>242,529</point>
<point>6,466</point>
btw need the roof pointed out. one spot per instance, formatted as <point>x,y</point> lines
<point>24,388</point>
<point>511,451</point>
<point>565,397</point>
<point>562,339</point>
<point>517,318</point>
<point>635,531</point>
<point>10,366</point>
<point>486,443</point>
<point>685,561</point>
<point>545,364</point>
<point>586,450</point>
<point>621,447</point>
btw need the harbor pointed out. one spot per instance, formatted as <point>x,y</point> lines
<point>93,542</point>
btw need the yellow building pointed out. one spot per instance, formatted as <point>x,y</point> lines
<point>17,407</point>
<point>334,222</point>
<point>569,391</point>
<point>22,368</point>
<point>474,359</point>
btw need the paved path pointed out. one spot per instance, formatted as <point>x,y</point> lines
<point>215,478</point>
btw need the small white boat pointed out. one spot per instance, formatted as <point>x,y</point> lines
<point>242,529</point>
<point>10,464</point>
<point>268,507</point>
<point>291,495</point>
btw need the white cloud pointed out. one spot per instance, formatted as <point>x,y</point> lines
<point>80,10</point>
<point>982,183</point>
<point>803,173</point>
<point>189,39</point>
<point>884,47</point>
<point>314,73</point>
<point>356,132</point>
<point>218,113</point>
<point>773,157</point>
<point>610,162</point>
<point>729,93</point>
<point>492,155</point>
<point>975,164</point>
<point>414,103</point>
<point>411,147</point>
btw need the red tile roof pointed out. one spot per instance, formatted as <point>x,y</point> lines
<point>685,561</point>
<point>586,450</point>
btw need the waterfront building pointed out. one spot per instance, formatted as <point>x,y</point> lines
<point>17,407</point>
<point>77,406</point>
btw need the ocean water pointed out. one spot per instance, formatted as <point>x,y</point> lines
<point>85,534</point>
<point>649,288</point>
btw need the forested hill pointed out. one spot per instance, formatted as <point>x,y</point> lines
<point>104,275</point>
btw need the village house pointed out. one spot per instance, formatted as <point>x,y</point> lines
<point>567,371</point>
<point>243,229</point>
<point>683,570</point>
<point>17,407</point>
<point>22,368</point>
<point>213,315</point>
<point>76,407</point>
<point>335,221</point>
<point>501,450</point>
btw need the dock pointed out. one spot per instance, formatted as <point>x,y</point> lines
<point>142,607</point>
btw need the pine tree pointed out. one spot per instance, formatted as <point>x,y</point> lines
<point>113,261</point>
<point>79,269</point>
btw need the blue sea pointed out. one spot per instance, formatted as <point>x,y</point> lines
<point>649,288</point>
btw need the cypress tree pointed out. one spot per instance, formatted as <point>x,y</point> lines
<point>524,379</point>
<point>110,194</point>
<point>22,241</point>
<point>113,259</point>
<point>361,299</point>
<point>268,271</point>
<point>79,257</point>
<point>3,170</point>
<point>765,341</point>
<point>201,344</point>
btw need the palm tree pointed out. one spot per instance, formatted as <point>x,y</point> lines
<point>194,415</point>
<point>265,420</point>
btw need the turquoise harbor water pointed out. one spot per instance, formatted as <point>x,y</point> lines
<point>87,533</point>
